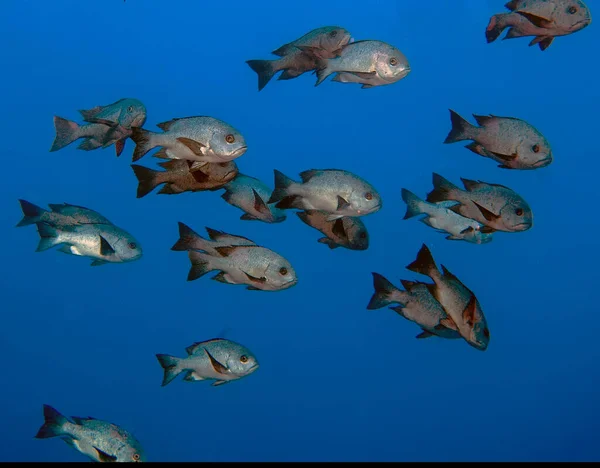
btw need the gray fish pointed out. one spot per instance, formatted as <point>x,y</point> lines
<point>101,441</point>
<point>496,206</point>
<point>416,304</point>
<point>179,177</point>
<point>372,63</point>
<point>62,215</point>
<point>238,260</point>
<point>514,143</point>
<point>440,217</point>
<point>217,359</point>
<point>337,192</point>
<point>302,55</point>
<point>458,301</point>
<point>203,139</point>
<point>348,232</point>
<point>543,19</point>
<point>251,195</point>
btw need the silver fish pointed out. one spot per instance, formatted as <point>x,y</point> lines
<point>251,195</point>
<point>101,441</point>
<point>337,192</point>
<point>372,63</point>
<point>217,359</point>
<point>348,232</point>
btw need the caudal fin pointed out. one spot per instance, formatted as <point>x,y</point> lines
<point>495,27</point>
<point>200,265</point>
<point>413,204</point>
<point>443,190</point>
<point>66,133</point>
<point>31,213</point>
<point>143,142</point>
<point>170,365</point>
<point>282,183</point>
<point>461,129</point>
<point>383,292</point>
<point>424,264</point>
<point>264,69</point>
<point>53,424</point>
<point>188,239</point>
<point>48,237</point>
<point>146,179</point>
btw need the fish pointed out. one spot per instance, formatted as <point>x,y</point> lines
<point>250,195</point>
<point>371,63</point>
<point>459,302</point>
<point>218,359</point>
<point>543,19</point>
<point>440,217</point>
<point>416,304</point>
<point>336,192</point>
<point>99,440</point>
<point>498,207</point>
<point>301,55</point>
<point>202,139</point>
<point>348,232</point>
<point>512,142</point>
<point>106,125</point>
<point>61,215</point>
<point>179,177</point>
<point>238,260</point>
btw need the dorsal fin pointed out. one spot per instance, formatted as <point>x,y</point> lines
<point>165,126</point>
<point>307,175</point>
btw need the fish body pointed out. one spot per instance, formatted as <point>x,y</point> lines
<point>61,215</point>
<point>348,232</point>
<point>336,192</point>
<point>512,142</point>
<point>217,359</point>
<point>251,195</point>
<point>99,440</point>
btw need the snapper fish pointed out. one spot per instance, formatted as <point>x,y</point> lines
<point>348,232</point>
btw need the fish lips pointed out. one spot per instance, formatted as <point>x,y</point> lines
<point>543,162</point>
<point>523,226</point>
<point>238,152</point>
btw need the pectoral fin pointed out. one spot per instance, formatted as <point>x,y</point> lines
<point>338,228</point>
<point>217,366</point>
<point>537,20</point>
<point>487,214</point>
<point>259,204</point>
<point>105,248</point>
<point>342,204</point>
<point>505,157</point>
<point>105,457</point>
<point>468,314</point>
<point>194,146</point>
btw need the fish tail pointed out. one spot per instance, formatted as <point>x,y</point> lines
<point>461,129</point>
<point>413,204</point>
<point>48,237</point>
<point>31,213</point>
<point>171,366</point>
<point>443,190</point>
<point>495,27</point>
<point>147,179</point>
<point>66,133</point>
<point>282,184</point>
<point>189,239</point>
<point>383,291</point>
<point>424,264</point>
<point>53,424</point>
<point>265,70</point>
<point>322,74</point>
<point>200,265</point>
<point>143,142</point>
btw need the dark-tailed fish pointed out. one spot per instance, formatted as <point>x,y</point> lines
<point>498,207</point>
<point>371,63</point>
<point>179,177</point>
<point>219,359</point>
<point>251,195</point>
<point>416,304</point>
<point>106,125</point>
<point>543,19</point>
<point>337,192</point>
<point>62,215</point>
<point>302,55</point>
<point>203,139</point>
<point>101,441</point>
<point>513,143</point>
<point>458,301</point>
<point>440,217</point>
<point>238,260</point>
<point>348,232</point>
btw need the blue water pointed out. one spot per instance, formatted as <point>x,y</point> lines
<point>337,382</point>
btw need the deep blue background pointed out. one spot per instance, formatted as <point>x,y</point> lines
<point>337,382</point>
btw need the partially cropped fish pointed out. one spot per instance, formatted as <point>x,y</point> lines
<point>336,192</point>
<point>543,19</point>
<point>458,301</point>
<point>203,139</point>
<point>99,440</point>
<point>62,215</point>
<point>179,177</point>
<point>348,232</point>
<point>106,125</point>
<point>514,143</point>
<point>302,55</point>
<point>371,63</point>
<point>217,359</point>
<point>251,195</point>
<point>416,304</point>
<point>238,260</point>
<point>440,217</point>
<point>498,207</point>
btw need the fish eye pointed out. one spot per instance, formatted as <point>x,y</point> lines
<point>486,333</point>
<point>572,10</point>
<point>130,109</point>
<point>230,138</point>
<point>535,148</point>
<point>363,235</point>
<point>223,164</point>
<point>283,271</point>
<point>132,245</point>
<point>333,33</point>
<point>393,61</point>
<point>136,457</point>
<point>369,196</point>
<point>519,211</point>
<point>244,359</point>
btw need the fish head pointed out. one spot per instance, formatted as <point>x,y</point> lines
<point>226,170</point>
<point>241,362</point>
<point>365,200</point>
<point>331,41</point>
<point>479,333</point>
<point>356,233</point>
<point>516,215</point>
<point>132,113</point>
<point>127,248</point>
<point>533,150</point>
<point>226,142</point>
<point>391,65</point>
<point>279,273</point>
<point>571,15</point>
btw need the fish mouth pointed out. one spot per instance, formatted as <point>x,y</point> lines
<point>238,152</point>
<point>253,368</point>
<point>523,226</point>
<point>543,162</point>
<point>481,346</point>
